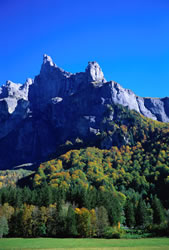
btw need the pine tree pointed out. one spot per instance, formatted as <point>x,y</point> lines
<point>141,213</point>
<point>27,195</point>
<point>91,197</point>
<point>45,195</point>
<point>130,214</point>
<point>71,222</point>
<point>102,220</point>
<point>15,224</point>
<point>158,211</point>
<point>51,220</point>
<point>3,226</point>
<point>61,224</point>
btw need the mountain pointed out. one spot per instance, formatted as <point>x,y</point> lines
<point>58,108</point>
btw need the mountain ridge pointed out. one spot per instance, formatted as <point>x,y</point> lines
<point>40,115</point>
<point>66,83</point>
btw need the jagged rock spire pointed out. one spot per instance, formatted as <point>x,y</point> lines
<point>48,60</point>
<point>39,116</point>
<point>47,64</point>
<point>94,72</point>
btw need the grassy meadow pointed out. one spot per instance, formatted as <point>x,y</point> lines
<point>89,244</point>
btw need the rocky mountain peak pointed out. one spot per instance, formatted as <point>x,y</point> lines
<point>47,65</point>
<point>48,60</point>
<point>95,72</point>
<point>40,115</point>
<point>50,68</point>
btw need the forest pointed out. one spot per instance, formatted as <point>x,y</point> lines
<point>50,211</point>
<point>92,190</point>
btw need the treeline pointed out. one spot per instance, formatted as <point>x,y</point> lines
<point>53,221</point>
<point>50,212</point>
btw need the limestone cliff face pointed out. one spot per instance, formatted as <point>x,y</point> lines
<point>38,116</point>
<point>54,82</point>
<point>154,108</point>
<point>14,105</point>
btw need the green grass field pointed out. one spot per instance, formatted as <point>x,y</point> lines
<point>87,244</point>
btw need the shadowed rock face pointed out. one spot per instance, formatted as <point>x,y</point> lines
<point>38,116</point>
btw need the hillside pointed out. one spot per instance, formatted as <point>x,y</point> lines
<point>139,163</point>
<point>38,117</point>
<point>82,191</point>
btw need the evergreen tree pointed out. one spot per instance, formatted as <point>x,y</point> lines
<point>3,226</point>
<point>45,195</point>
<point>71,229</point>
<point>15,224</point>
<point>19,198</point>
<point>130,214</point>
<point>60,223</point>
<point>158,211</point>
<point>51,221</point>
<point>114,205</point>
<point>91,197</point>
<point>141,213</point>
<point>42,219</point>
<point>102,220</point>
<point>27,195</point>
<point>42,230</point>
<point>81,197</point>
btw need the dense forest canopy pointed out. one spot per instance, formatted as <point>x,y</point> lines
<point>90,189</point>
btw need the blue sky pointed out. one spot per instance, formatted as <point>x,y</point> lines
<point>128,38</point>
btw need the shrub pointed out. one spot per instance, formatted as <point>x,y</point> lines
<point>159,230</point>
<point>113,233</point>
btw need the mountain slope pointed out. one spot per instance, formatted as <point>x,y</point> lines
<point>140,168</point>
<point>57,106</point>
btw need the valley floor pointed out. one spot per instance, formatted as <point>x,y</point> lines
<point>87,244</point>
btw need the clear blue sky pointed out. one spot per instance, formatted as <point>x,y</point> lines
<point>128,38</point>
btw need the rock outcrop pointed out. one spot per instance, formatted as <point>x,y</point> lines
<point>38,116</point>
